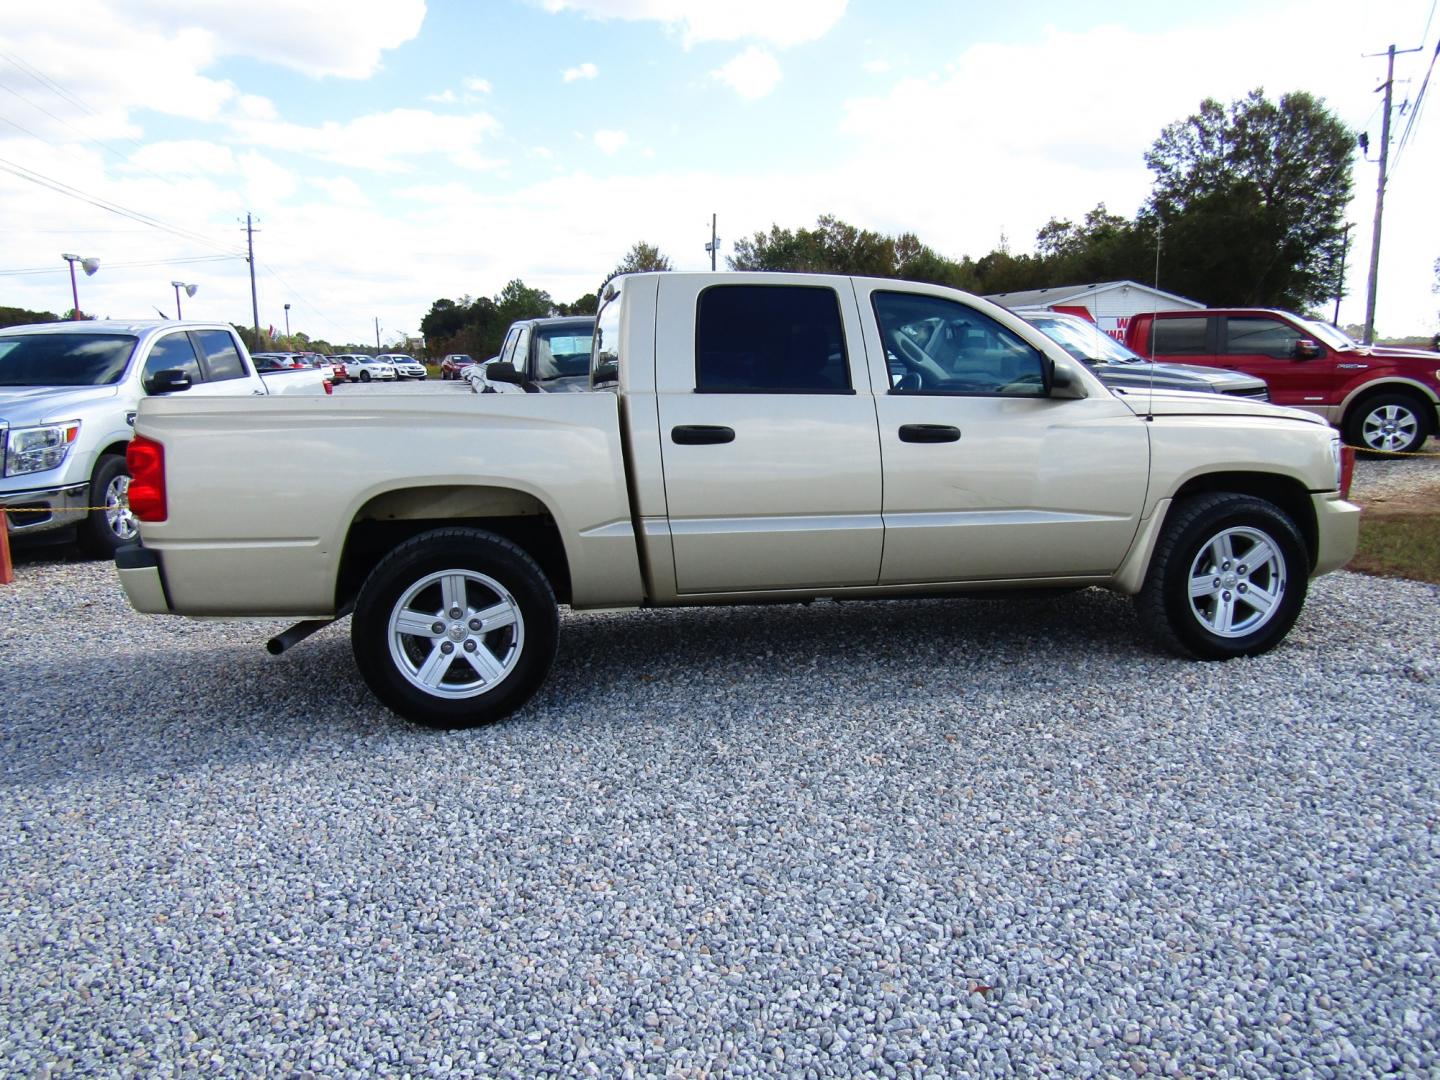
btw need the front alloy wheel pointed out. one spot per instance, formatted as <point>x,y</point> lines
<point>1392,427</point>
<point>1227,578</point>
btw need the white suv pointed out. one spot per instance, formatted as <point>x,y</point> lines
<point>406,367</point>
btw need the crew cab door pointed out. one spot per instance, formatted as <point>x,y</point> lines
<point>986,476</point>
<point>1269,347</point>
<point>768,442</point>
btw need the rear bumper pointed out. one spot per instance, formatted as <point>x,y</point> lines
<point>1337,531</point>
<point>42,509</point>
<point>142,579</point>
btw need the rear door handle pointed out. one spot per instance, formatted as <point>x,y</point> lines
<point>701,434</point>
<point>929,433</point>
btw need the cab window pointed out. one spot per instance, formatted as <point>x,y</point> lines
<point>1180,337</point>
<point>937,346</point>
<point>770,339</point>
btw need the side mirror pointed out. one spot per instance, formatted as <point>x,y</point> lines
<point>1061,381</point>
<point>503,371</point>
<point>1305,349</point>
<point>169,381</point>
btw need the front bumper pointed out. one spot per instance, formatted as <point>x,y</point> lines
<point>42,509</point>
<point>142,580</point>
<point>1337,531</point>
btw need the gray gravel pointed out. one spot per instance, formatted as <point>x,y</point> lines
<point>899,839</point>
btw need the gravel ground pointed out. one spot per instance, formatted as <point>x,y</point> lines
<point>895,839</point>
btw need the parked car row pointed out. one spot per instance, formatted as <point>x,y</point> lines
<point>387,367</point>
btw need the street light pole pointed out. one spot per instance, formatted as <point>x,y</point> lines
<point>89,265</point>
<point>190,290</point>
<point>287,320</point>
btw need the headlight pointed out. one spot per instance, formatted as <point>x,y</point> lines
<point>36,449</point>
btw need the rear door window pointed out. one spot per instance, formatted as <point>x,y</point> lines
<point>222,358</point>
<point>781,339</point>
<point>1180,337</point>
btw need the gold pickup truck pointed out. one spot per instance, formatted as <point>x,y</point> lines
<point>747,438</point>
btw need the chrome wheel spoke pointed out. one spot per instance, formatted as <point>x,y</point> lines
<point>416,623</point>
<point>1261,600</point>
<point>484,663</point>
<point>452,589</point>
<point>436,665</point>
<point>1220,550</point>
<point>1202,585</point>
<point>1223,618</point>
<point>497,616</point>
<point>1260,553</point>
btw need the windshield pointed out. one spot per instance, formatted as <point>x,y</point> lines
<point>1336,339</point>
<point>561,351</point>
<point>1083,340</point>
<point>64,359</point>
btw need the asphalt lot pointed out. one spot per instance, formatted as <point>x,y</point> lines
<point>895,839</point>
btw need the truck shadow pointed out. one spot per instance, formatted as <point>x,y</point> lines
<point>199,705</point>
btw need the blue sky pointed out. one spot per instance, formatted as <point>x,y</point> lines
<point>395,151</point>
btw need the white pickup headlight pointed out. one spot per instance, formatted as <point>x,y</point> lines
<point>36,449</point>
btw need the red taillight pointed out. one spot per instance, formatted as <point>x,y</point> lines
<point>1347,470</point>
<point>145,459</point>
<point>329,387</point>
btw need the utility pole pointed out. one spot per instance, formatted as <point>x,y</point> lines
<point>377,333</point>
<point>250,258</point>
<point>1340,279</point>
<point>1389,89</point>
<point>713,247</point>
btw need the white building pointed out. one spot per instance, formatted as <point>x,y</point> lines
<point>1109,304</point>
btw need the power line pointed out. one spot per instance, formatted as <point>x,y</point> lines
<point>62,188</point>
<point>1415,109</point>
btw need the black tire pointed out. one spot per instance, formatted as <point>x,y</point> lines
<point>1389,422</point>
<point>109,524</point>
<point>1224,621</point>
<point>364,376</point>
<point>410,672</point>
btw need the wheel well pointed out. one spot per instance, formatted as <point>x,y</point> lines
<point>1289,495</point>
<point>115,448</point>
<point>1392,389</point>
<point>390,519</point>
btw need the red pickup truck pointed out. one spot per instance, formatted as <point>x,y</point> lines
<point>1381,398</point>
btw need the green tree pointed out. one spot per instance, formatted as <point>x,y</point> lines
<point>640,258</point>
<point>1250,201</point>
<point>14,316</point>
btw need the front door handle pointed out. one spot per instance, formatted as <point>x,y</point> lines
<point>701,434</point>
<point>929,433</point>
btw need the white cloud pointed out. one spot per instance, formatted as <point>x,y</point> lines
<point>752,74</point>
<point>186,157</point>
<point>780,24</point>
<point>341,190</point>
<point>343,38</point>
<point>476,85</point>
<point>586,70</point>
<point>876,67</point>
<point>611,142</point>
<point>383,142</point>
<point>445,97</point>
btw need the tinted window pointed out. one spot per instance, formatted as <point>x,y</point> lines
<point>938,346</point>
<point>173,353</point>
<point>1180,337</point>
<point>221,357</point>
<point>770,338</point>
<point>63,359</point>
<point>1260,337</point>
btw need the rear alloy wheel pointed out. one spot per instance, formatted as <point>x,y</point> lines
<point>1388,423</point>
<point>364,376</point>
<point>454,628</point>
<point>109,524</point>
<point>1228,578</point>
